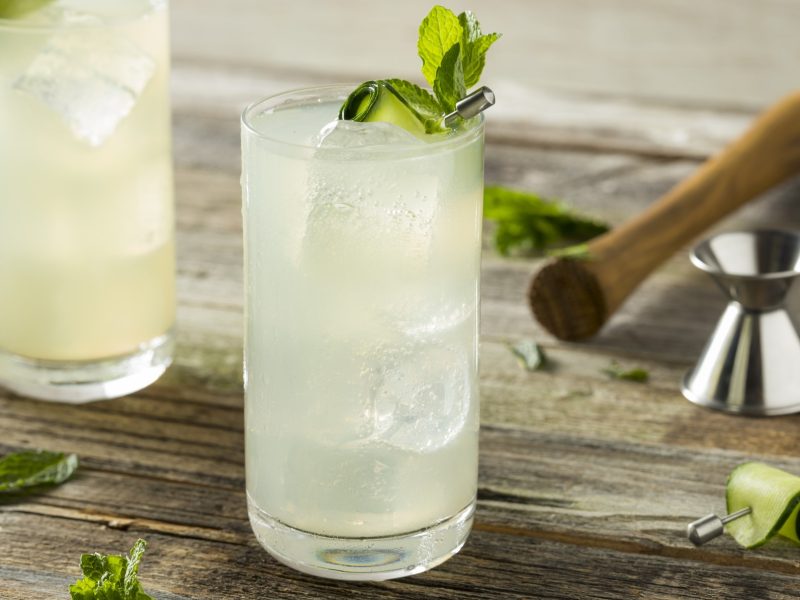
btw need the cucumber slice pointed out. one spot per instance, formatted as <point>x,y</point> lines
<point>374,101</point>
<point>14,9</point>
<point>774,497</point>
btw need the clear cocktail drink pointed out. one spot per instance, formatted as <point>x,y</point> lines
<point>86,203</point>
<point>362,252</point>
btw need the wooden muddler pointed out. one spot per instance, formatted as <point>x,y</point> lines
<point>573,297</point>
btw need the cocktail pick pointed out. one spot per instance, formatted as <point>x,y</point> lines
<point>471,105</point>
<point>707,528</point>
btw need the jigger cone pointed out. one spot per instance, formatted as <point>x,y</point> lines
<point>751,363</point>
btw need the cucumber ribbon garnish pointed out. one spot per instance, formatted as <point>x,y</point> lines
<point>773,496</point>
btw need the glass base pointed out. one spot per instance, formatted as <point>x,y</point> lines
<point>76,382</point>
<point>362,559</point>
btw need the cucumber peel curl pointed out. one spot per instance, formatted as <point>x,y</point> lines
<point>773,496</point>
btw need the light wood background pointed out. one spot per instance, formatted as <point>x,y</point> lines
<point>737,53</point>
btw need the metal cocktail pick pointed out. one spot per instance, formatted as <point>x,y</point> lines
<point>707,528</point>
<point>469,106</point>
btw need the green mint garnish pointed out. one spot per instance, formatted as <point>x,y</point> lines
<point>474,46</point>
<point>421,100</point>
<point>453,52</point>
<point>449,85</point>
<point>439,32</point>
<point>615,371</point>
<point>15,9</point>
<point>111,577</point>
<point>23,470</point>
<point>529,223</point>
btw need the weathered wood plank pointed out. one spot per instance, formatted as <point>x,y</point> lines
<point>496,563</point>
<point>561,455</point>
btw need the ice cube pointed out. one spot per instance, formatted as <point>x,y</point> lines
<point>91,78</point>
<point>423,394</point>
<point>353,134</point>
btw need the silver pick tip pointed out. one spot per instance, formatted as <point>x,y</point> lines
<point>707,528</point>
<point>471,105</point>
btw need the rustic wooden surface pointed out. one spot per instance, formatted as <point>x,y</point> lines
<point>586,483</point>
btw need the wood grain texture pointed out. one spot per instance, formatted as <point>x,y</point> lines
<point>586,483</point>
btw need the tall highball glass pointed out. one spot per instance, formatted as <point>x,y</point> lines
<point>362,262</point>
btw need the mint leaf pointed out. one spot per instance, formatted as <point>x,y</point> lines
<point>615,371</point>
<point>530,355</point>
<point>14,9</point>
<point>437,34</point>
<point>449,85</point>
<point>420,100</point>
<point>31,468</point>
<point>475,58</point>
<point>111,577</point>
<point>474,46</point>
<point>529,223</point>
<point>130,582</point>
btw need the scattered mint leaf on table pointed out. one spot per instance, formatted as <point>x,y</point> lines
<point>530,223</point>
<point>111,577</point>
<point>15,9</point>
<point>31,468</point>
<point>530,355</point>
<point>638,375</point>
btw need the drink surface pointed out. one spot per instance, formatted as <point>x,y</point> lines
<point>362,269</point>
<point>86,215</point>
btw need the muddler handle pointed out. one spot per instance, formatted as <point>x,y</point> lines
<point>572,297</point>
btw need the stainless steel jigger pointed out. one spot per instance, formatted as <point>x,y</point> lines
<point>751,364</point>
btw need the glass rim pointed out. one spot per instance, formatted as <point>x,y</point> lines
<point>26,25</point>
<point>461,138</point>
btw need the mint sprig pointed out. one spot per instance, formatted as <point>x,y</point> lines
<point>453,52</point>
<point>530,223</point>
<point>31,468</point>
<point>111,577</point>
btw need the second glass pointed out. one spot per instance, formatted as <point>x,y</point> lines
<point>86,212</point>
<point>362,261</point>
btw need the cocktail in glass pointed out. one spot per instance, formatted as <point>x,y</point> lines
<point>362,256</point>
<point>86,200</point>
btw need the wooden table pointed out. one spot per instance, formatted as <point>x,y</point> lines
<point>586,483</point>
